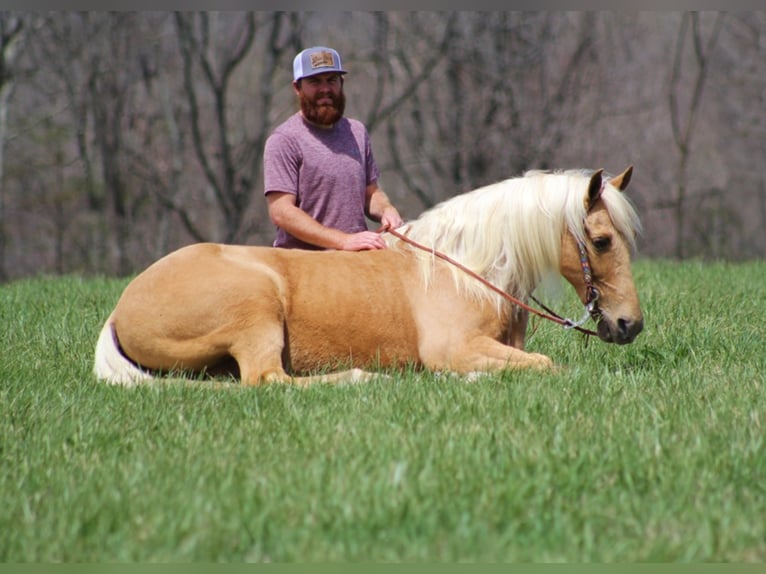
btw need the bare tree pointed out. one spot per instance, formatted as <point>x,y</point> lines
<point>124,135</point>
<point>92,68</point>
<point>499,102</point>
<point>12,32</point>
<point>731,215</point>
<point>684,128</point>
<point>209,68</point>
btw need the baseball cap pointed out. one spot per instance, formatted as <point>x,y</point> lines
<point>316,60</point>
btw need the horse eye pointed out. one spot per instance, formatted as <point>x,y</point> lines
<point>602,244</point>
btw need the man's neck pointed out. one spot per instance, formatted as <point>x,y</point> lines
<point>316,125</point>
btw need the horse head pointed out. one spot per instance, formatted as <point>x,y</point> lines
<point>596,261</point>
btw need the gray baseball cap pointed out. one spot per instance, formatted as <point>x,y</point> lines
<point>316,60</point>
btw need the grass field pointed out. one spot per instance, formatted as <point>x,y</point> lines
<point>649,452</point>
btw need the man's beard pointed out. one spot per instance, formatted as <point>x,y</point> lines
<point>324,115</point>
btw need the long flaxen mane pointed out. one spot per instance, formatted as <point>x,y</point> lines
<point>510,232</point>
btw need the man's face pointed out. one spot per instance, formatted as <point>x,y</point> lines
<point>321,97</point>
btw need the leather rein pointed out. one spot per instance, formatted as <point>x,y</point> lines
<point>592,295</point>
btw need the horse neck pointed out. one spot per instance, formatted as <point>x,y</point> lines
<point>498,232</point>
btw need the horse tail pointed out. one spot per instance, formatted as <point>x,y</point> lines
<point>111,365</point>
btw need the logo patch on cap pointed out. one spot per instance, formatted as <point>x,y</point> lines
<point>321,60</point>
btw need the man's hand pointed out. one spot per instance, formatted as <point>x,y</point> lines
<point>363,241</point>
<point>390,219</point>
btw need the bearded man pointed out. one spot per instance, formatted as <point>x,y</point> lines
<point>320,175</point>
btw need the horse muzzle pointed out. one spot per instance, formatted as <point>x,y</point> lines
<point>622,331</point>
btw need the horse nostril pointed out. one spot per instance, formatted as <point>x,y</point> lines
<point>628,329</point>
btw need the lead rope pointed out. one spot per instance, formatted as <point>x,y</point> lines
<point>592,293</point>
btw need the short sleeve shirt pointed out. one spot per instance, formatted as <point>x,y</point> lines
<point>328,170</point>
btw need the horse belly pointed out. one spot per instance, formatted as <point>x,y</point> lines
<point>349,349</point>
<point>353,314</point>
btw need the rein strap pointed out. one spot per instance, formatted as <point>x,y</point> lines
<point>550,315</point>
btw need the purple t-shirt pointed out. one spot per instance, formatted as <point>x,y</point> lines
<point>327,169</point>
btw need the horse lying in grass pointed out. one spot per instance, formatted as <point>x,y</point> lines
<point>277,315</point>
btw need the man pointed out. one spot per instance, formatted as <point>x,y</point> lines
<point>320,175</point>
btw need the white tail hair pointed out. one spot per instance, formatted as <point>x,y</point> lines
<point>110,365</point>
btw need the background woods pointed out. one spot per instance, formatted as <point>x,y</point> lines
<point>124,135</point>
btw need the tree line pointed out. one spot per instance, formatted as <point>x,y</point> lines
<point>124,135</point>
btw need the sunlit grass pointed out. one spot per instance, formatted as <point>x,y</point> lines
<point>648,452</point>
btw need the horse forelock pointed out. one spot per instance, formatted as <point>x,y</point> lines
<point>621,211</point>
<point>509,232</point>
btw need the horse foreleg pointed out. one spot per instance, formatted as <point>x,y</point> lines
<point>484,354</point>
<point>518,332</point>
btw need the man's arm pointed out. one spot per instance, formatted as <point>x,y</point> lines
<point>380,209</point>
<point>286,215</point>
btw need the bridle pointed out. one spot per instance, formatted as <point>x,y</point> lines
<point>591,296</point>
<point>591,293</point>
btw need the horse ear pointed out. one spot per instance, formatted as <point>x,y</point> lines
<point>621,181</point>
<point>595,188</point>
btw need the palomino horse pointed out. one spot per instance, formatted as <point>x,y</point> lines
<point>282,315</point>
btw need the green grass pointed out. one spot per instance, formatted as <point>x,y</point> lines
<point>648,452</point>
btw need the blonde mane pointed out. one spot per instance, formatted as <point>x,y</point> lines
<point>510,232</point>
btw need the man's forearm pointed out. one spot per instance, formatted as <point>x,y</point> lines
<point>378,203</point>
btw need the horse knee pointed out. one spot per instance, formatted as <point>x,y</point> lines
<point>258,354</point>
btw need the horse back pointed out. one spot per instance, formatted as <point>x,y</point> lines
<point>191,307</point>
